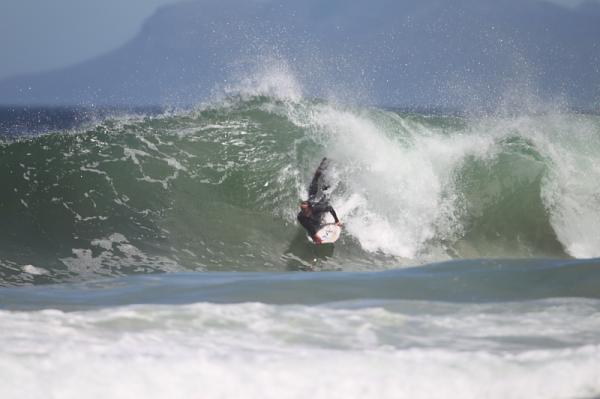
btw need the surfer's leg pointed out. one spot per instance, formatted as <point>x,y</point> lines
<point>313,189</point>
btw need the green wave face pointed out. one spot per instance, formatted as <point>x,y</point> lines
<point>218,189</point>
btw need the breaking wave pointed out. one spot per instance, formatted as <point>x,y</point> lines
<point>217,189</point>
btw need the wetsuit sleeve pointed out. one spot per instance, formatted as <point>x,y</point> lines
<point>313,188</point>
<point>324,207</point>
<point>332,211</point>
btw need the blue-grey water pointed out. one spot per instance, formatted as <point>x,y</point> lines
<point>156,254</point>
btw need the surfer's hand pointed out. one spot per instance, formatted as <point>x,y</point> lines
<point>339,223</point>
<point>316,239</point>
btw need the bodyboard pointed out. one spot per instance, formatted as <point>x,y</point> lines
<point>329,233</point>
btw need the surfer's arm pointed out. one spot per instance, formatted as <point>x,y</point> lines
<point>332,211</point>
<point>324,207</point>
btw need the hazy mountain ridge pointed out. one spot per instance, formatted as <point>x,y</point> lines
<point>393,52</point>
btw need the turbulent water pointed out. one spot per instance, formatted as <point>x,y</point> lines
<point>466,267</point>
<point>217,190</point>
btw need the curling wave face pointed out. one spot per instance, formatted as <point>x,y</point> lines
<point>217,189</point>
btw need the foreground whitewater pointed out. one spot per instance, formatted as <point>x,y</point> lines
<point>158,256</point>
<point>462,329</point>
<point>398,349</point>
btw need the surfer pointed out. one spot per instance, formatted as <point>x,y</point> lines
<point>313,209</point>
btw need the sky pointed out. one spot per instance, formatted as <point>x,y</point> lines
<point>38,35</point>
<point>41,35</point>
<point>568,3</point>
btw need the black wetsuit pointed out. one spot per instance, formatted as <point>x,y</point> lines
<point>313,222</point>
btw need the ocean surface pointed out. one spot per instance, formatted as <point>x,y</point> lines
<point>155,254</point>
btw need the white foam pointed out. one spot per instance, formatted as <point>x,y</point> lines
<point>261,351</point>
<point>569,146</point>
<point>571,190</point>
<point>116,252</point>
<point>133,154</point>
<point>36,271</point>
<point>399,181</point>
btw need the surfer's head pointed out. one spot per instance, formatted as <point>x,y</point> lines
<point>305,206</point>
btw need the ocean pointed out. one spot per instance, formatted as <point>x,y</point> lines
<point>155,254</point>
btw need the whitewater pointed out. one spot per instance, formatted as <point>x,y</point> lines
<point>158,255</point>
